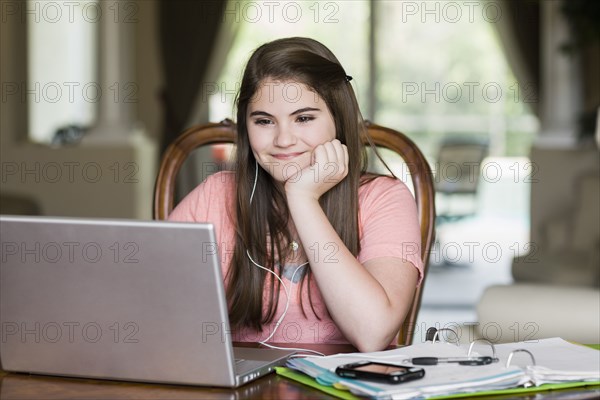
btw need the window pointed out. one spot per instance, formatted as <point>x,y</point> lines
<point>342,26</point>
<point>80,64</point>
<point>438,67</point>
<point>62,86</point>
<point>448,76</point>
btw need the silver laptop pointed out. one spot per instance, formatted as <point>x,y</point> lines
<point>119,299</point>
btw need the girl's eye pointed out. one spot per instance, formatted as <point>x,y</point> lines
<point>305,118</point>
<point>262,121</point>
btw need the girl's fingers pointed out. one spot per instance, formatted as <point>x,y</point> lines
<point>320,154</point>
<point>341,158</point>
<point>341,153</point>
<point>331,156</point>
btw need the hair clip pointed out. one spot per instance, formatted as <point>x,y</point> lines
<point>348,78</point>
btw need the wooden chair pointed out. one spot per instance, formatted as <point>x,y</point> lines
<point>225,131</point>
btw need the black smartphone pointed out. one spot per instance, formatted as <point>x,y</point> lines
<point>380,372</point>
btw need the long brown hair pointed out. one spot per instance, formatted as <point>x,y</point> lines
<point>262,226</point>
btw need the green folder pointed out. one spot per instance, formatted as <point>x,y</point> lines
<point>308,381</point>
<point>345,394</point>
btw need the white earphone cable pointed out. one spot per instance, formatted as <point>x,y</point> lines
<point>287,305</point>
<point>287,292</point>
<point>255,180</point>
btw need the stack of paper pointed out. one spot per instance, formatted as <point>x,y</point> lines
<point>557,361</point>
<point>542,375</point>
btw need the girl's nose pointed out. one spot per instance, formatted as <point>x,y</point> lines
<point>284,137</point>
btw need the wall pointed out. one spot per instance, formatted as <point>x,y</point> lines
<point>554,187</point>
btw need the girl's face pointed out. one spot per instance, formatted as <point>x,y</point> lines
<point>286,121</point>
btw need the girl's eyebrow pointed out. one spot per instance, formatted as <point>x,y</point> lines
<point>305,109</point>
<point>299,111</point>
<point>263,113</point>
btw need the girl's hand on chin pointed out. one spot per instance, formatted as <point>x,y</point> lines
<point>328,167</point>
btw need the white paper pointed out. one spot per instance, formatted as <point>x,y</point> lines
<point>557,361</point>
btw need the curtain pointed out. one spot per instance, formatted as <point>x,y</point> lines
<point>583,17</point>
<point>518,29</point>
<point>519,33</point>
<point>188,35</point>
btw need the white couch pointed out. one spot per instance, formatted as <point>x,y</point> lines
<point>525,311</point>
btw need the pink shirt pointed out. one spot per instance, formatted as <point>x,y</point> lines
<point>388,227</point>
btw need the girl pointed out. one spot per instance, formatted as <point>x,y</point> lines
<point>313,248</point>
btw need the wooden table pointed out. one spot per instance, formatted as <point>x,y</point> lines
<point>23,386</point>
<point>20,386</point>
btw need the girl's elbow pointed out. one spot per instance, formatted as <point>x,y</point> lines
<point>371,341</point>
<point>370,345</point>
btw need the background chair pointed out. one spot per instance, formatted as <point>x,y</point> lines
<point>458,173</point>
<point>225,131</point>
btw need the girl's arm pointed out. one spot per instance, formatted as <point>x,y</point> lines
<point>369,301</point>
